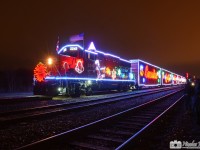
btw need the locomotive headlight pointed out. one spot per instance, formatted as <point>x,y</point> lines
<point>192,84</point>
<point>59,89</point>
<point>49,61</point>
<point>89,82</point>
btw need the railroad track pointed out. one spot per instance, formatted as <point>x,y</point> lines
<point>23,104</point>
<point>113,132</point>
<point>38,112</point>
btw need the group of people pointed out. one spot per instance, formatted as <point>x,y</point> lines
<point>192,91</point>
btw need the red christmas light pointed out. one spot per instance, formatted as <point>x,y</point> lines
<point>167,78</point>
<point>40,72</point>
<point>187,75</point>
<point>150,74</point>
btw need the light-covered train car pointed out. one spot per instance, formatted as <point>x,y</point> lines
<point>146,74</point>
<point>74,71</point>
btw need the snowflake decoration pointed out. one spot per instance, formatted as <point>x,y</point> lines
<point>40,72</point>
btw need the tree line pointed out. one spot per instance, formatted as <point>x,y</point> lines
<point>20,80</point>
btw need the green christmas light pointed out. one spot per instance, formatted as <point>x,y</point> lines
<point>119,72</point>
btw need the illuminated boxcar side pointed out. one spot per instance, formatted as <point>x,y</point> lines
<point>146,74</point>
<point>167,77</point>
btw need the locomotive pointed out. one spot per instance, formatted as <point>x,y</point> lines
<point>75,71</point>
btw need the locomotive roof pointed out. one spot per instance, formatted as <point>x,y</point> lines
<point>92,51</point>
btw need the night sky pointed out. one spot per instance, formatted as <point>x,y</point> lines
<point>165,33</point>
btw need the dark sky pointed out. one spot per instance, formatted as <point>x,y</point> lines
<point>165,33</point>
